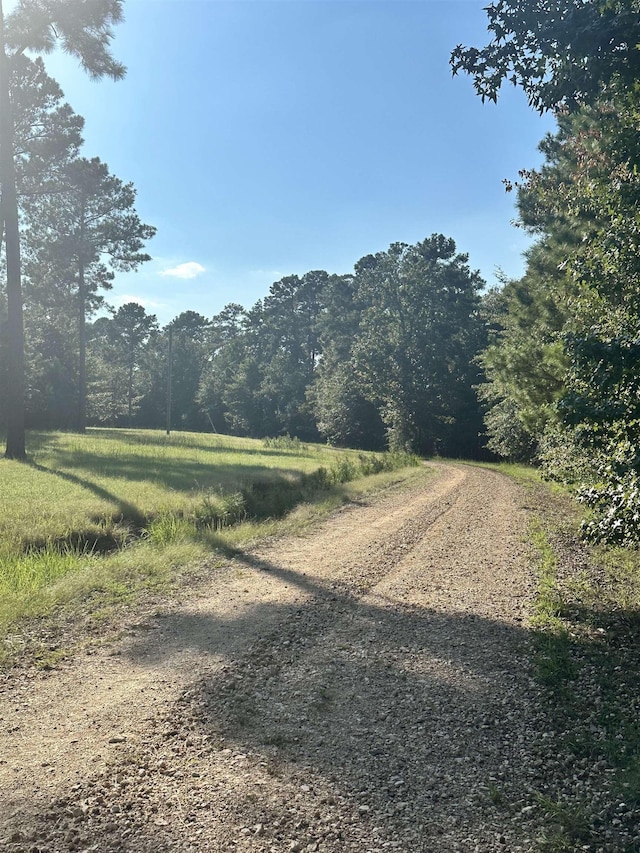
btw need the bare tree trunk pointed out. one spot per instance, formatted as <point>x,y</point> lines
<point>15,326</point>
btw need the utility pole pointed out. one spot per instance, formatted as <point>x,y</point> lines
<point>169,377</point>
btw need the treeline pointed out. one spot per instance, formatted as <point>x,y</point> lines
<point>381,357</point>
<point>394,353</point>
<point>563,363</point>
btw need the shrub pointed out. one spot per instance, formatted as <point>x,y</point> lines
<point>616,510</point>
<point>168,529</point>
<point>284,442</point>
<point>223,510</point>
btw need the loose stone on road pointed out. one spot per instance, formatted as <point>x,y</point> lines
<point>365,687</point>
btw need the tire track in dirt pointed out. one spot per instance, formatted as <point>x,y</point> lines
<point>358,688</point>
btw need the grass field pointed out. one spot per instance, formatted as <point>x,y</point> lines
<point>114,510</point>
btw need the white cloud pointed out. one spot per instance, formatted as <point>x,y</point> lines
<point>191,269</point>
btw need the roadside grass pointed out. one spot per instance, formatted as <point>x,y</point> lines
<point>553,660</point>
<point>92,521</point>
<point>586,653</point>
<point>526,475</point>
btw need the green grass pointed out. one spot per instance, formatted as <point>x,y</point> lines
<point>527,475</point>
<point>554,664</point>
<point>586,653</point>
<point>114,511</point>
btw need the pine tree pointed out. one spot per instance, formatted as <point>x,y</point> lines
<point>83,28</point>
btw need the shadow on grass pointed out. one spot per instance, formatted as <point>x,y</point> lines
<point>180,475</point>
<point>187,440</point>
<point>600,657</point>
<point>126,512</point>
<point>39,442</point>
<point>263,493</point>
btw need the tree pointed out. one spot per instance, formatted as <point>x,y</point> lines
<point>117,347</point>
<point>89,229</point>
<point>525,362</point>
<point>225,340</point>
<point>84,29</point>
<point>190,350</point>
<point>344,415</point>
<point>258,379</point>
<point>290,350</point>
<point>583,204</point>
<point>47,132</point>
<point>133,328</point>
<point>47,137</point>
<point>418,334</point>
<point>562,53</point>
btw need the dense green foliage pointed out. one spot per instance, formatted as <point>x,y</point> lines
<point>561,52</point>
<point>564,356</point>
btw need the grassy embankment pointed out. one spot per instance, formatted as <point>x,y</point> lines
<point>98,518</point>
<point>586,626</point>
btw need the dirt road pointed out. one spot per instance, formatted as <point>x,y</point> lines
<point>363,688</point>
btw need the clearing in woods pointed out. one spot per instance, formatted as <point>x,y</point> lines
<point>365,687</point>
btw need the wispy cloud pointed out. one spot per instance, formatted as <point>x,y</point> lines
<point>264,277</point>
<point>146,303</point>
<point>266,273</point>
<point>190,269</point>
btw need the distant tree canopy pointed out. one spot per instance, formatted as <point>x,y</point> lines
<point>380,357</point>
<point>383,356</point>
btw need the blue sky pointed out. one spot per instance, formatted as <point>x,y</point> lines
<point>269,137</point>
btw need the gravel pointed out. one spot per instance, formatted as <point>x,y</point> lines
<point>366,687</point>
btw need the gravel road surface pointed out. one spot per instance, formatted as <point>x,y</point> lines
<point>365,687</point>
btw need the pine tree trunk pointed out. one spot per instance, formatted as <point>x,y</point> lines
<point>15,448</point>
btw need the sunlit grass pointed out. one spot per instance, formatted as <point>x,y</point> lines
<point>84,484</point>
<point>526,475</point>
<point>115,511</point>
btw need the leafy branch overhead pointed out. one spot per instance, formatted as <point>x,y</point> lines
<point>560,52</point>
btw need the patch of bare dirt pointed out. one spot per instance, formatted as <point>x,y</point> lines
<point>362,688</point>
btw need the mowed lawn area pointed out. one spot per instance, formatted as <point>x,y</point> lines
<point>112,510</point>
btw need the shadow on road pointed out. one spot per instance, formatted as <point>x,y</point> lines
<point>411,716</point>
